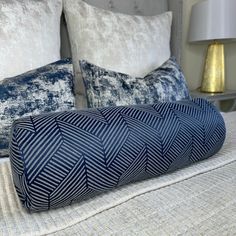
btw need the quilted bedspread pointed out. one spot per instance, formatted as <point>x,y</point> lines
<point>197,200</point>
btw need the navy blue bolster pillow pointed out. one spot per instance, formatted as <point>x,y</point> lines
<point>59,158</point>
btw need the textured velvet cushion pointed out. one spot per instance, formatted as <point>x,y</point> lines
<point>59,158</point>
<point>46,89</point>
<point>109,88</point>
<point>29,35</point>
<point>134,45</point>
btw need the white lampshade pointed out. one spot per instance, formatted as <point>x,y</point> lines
<point>212,20</point>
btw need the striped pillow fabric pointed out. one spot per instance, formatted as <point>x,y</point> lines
<point>60,158</point>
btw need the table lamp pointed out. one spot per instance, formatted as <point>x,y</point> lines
<point>214,21</point>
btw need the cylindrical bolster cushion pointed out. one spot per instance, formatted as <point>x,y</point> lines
<point>59,158</point>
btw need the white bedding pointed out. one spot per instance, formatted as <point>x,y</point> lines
<point>197,200</point>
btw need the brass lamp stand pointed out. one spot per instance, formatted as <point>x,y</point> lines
<point>214,71</point>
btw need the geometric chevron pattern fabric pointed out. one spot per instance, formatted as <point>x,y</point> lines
<point>60,158</point>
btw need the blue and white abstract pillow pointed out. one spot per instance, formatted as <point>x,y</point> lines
<point>47,89</point>
<point>108,88</point>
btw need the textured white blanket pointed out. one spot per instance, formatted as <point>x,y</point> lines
<point>197,200</point>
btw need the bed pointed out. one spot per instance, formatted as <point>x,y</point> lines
<point>196,200</point>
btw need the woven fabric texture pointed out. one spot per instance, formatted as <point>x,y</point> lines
<point>60,158</point>
<point>197,200</point>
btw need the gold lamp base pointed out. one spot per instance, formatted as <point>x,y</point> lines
<point>214,72</point>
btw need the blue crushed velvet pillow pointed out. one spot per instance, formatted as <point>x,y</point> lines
<point>64,157</point>
<point>108,88</point>
<point>47,89</point>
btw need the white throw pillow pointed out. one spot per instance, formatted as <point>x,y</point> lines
<point>29,35</point>
<point>129,44</point>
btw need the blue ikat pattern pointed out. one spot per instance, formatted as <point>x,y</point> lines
<point>47,89</point>
<point>60,158</point>
<point>108,88</point>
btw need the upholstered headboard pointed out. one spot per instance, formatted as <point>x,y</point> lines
<point>138,7</point>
